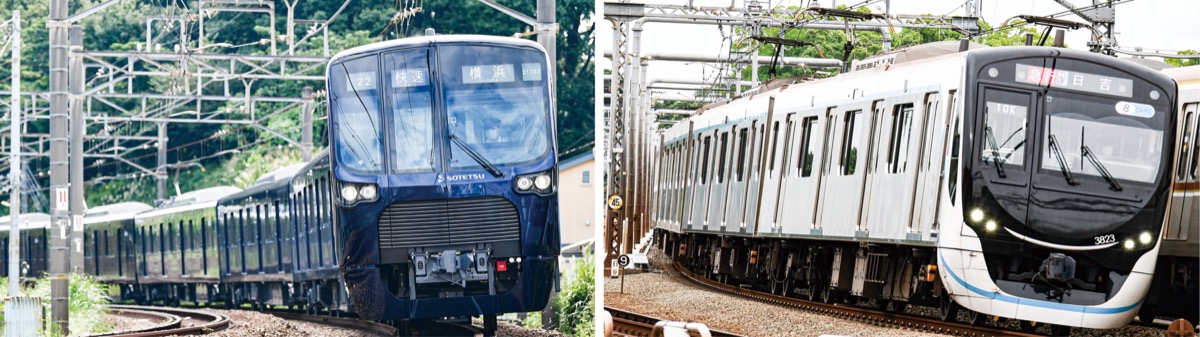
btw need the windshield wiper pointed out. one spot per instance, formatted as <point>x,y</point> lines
<point>1087,152</point>
<point>1062,161</point>
<point>476,156</point>
<point>991,139</point>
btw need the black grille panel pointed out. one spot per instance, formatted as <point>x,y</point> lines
<point>448,222</point>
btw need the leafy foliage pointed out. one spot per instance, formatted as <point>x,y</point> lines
<point>575,306</point>
<point>87,298</point>
<point>835,43</point>
<point>1184,62</point>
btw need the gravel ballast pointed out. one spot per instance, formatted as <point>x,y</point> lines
<point>671,297</point>
<point>246,323</point>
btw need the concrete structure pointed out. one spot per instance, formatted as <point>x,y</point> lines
<point>577,198</point>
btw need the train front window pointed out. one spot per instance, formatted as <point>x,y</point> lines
<point>497,106</point>
<point>1103,138</point>
<point>354,104</point>
<point>1004,134</point>
<point>411,103</point>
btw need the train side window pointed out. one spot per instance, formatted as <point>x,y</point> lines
<point>898,147</point>
<point>204,244</point>
<point>774,144</point>
<point>704,166</point>
<point>1190,147</point>
<point>804,163</point>
<point>1193,109</point>
<point>954,158</point>
<point>849,158</point>
<point>724,148</point>
<point>741,161</point>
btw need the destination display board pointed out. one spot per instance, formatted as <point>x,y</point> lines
<point>1074,80</point>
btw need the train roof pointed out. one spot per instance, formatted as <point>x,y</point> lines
<point>435,39</point>
<point>112,212</point>
<point>1184,75</point>
<point>1149,63</point>
<point>192,200</point>
<point>28,220</point>
<point>282,173</point>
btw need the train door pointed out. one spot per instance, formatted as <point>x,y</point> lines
<point>781,170</point>
<point>688,178</point>
<point>869,208</point>
<point>703,176</point>
<point>754,177</point>
<point>843,176</point>
<point>771,176</point>
<point>1004,138</point>
<point>714,220</point>
<point>1187,186</point>
<point>800,183</point>
<point>926,152</point>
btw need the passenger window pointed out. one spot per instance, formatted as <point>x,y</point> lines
<point>804,164</point>
<point>901,132</point>
<point>704,166</point>
<point>1192,123</point>
<point>954,157</point>
<point>850,137</point>
<point>1195,140</point>
<point>741,161</point>
<point>724,148</point>
<point>774,144</point>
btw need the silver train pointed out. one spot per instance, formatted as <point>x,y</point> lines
<point>1175,292</point>
<point>1018,182</point>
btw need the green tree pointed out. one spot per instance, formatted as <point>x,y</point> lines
<point>1183,62</point>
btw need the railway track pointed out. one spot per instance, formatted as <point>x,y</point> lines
<point>626,323</point>
<point>171,321</point>
<point>179,321</point>
<point>877,317</point>
<point>419,329</point>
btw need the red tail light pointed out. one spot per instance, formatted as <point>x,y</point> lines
<point>501,265</point>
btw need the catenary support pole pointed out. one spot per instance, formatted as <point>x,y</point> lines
<point>160,171</point>
<point>76,79</point>
<point>306,114</point>
<point>14,163</point>
<point>59,262</point>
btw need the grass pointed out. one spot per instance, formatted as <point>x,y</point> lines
<point>87,299</point>
<point>575,306</point>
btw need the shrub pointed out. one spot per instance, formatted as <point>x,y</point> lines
<point>575,306</point>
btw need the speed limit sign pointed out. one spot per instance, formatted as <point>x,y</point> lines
<point>623,260</point>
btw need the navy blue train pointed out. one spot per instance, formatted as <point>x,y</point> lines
<point>437,198</point>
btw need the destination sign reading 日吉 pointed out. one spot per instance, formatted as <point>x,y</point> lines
<point>492,73</point>
<point>1074,80</point>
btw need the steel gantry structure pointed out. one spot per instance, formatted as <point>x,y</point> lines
<point>98,105</point>
<point>631,120</point>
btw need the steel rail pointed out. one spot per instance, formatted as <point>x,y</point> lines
<point>214,321</point>
<point>165,321</point>
<point>867,315</point>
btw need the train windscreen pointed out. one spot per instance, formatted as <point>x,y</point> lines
<point>497,105</point>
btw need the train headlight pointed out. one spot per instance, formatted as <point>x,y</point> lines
<point>349,193</point>
<point>1128,243</point>
<point>368,192</point>
<point>1145,238</point>
<point>990,226</point>
<point>524,183</point>
<point>542,182</point>
<point>976,215</point>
